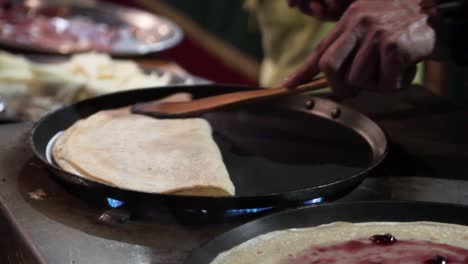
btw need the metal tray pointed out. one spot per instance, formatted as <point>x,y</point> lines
<point>169,34</point>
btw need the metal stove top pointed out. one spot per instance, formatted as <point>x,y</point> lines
<point>47,224</point>
<point>66,228</point>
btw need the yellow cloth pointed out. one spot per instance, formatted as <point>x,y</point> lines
<point>288,38</point>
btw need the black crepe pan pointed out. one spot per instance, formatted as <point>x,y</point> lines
<point>277,152</point>
<point>377,211</point>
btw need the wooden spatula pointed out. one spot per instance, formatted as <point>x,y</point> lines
<point>203,105</point>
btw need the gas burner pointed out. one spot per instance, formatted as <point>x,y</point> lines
<point>120,212</point>
<point>114,203</point>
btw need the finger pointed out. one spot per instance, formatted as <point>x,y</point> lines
<point>334,61</point>
<point>310,68</point>
<point>365,66</point>
<point>339,86</point>
<point>391,68</point>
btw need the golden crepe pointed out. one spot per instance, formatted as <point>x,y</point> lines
<point>145,154</point>
<point>339,242</point>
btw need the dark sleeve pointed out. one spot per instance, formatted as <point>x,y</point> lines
<point>454,14</point>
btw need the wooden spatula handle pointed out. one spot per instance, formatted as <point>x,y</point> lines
<point>212,102</point>
<point>316,84</point>
<point>203,105</point>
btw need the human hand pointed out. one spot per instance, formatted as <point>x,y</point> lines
<point>323,9</point>
<point>375,46</point>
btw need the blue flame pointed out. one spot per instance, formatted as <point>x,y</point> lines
<point>114,203</point>
<point>313,201</point>
<point>235,212</point>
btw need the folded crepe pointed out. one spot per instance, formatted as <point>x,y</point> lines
<point>140,153</point>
